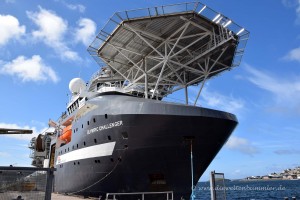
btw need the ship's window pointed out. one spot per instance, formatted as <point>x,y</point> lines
<point>94,120</point>
<point>68,149</point>
<point>108,137</point>
<point>111,159</point>
<point>78,163</point>
<point>74,163</point>
<point>65,150</point>
<point>119,159</point>
<point>83,143</point>
<point>88,122</point>
<point>81,125</point>
<point>125,146</point>
<point>77,146</point>
<point>124,135</point>
<point>96,161</point>
<point>95,140</point>
<point>73,147</point>
<point>105,116</point>
<point>76,129</point>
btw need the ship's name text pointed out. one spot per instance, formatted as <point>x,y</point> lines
<point>104,127</point>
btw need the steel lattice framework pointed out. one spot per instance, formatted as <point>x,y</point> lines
<point>168,48</point>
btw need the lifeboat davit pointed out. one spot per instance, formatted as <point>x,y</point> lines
<point>66,134</point>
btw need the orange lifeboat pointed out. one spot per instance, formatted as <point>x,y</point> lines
<point>66,134</point>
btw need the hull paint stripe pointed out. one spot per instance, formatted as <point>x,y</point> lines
<point>88,152</point>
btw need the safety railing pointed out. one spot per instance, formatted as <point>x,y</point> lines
<point>197,7</point>
<point>139,195</point>
<point>26,183</point>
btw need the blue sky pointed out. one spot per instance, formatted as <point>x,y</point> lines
<point>43,46</point>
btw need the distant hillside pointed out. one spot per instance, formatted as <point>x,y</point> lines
<point>287,174</point>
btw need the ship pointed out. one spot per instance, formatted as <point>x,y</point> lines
<point>119,133</point>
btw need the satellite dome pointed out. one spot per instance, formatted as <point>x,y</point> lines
<point>76,85</point>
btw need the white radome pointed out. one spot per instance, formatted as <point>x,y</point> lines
<point>76,85</point>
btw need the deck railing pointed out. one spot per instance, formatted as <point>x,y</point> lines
<point>139,195</point>
<point>196,7</point>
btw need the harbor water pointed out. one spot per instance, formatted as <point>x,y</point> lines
<point>253,190</point>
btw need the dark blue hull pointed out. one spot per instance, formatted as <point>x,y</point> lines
<point>151,153</point>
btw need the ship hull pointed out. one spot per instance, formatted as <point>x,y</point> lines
<point>151,152</point>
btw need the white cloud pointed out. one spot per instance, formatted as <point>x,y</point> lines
<point>4,154</point>
<point>10,28</point>
<point>298,12</point>
<point>75,7</point>
<point>26,137</point>
<point>52,30</point>
<point>86,31</point>
<point>293,55</point>
<point>32,69</point>
<point>51,27</point>
<point>79,7</point>
<point>293,4</point>
<point>219,101</point>
<point>20,136</point>
<point>10,1</point>
<point>287,151</point>
<point>242,145</point>
<point>286,91</point>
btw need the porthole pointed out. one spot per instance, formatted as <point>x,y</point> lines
<point>95,140</point>
<point>125,146</point>
<point>94,120</point>
<point>111,159</point>
<point>108,137</point>
<point>81,125</point>
<point>124,135</point>
<point>88,122</point>
<point>105,116</point>
<point>83,143</point>
<point>77,146</point>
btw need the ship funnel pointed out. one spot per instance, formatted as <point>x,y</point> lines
<point>76,85</point>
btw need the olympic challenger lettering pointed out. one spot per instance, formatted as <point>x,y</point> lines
<point>105,127</point>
